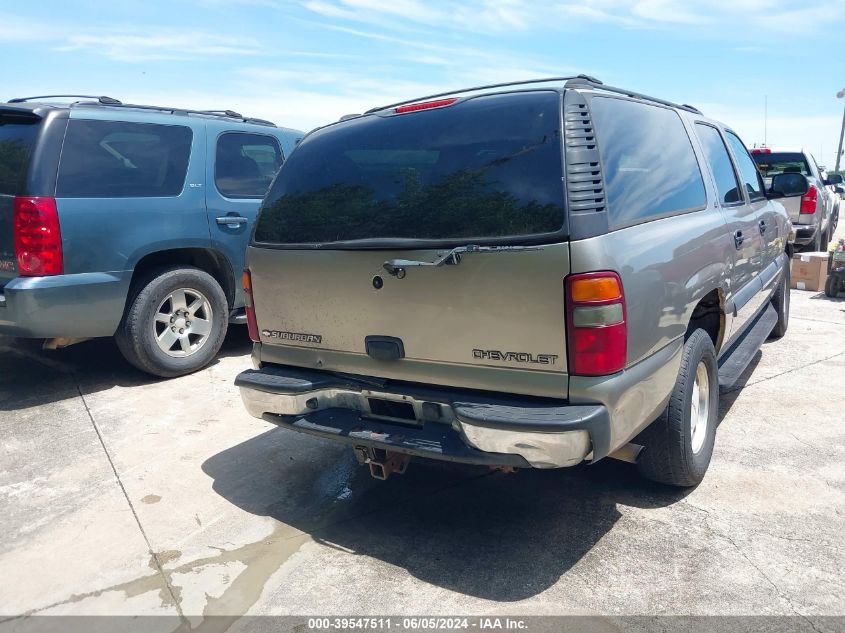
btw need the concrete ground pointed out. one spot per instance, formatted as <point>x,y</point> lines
<point>120,494</point>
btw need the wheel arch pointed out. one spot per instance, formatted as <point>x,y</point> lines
<point>209,260</point>
<point>709,314</point>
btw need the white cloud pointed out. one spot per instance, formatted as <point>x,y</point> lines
<point>818,134</point>
<point>463,59</point>
<point>15,28</point>
<point>792,19</point>
<point>495,16</point>
<point>667,11</point>
<point>159,46</point>
<point>412,10</point>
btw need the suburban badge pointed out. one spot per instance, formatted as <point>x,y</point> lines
<point>292,336</point>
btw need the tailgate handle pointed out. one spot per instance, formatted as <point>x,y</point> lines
<point>384,347</point>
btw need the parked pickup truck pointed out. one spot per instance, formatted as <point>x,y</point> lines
<point>129,221</point>
<point>814,214</point>
<point>522,275</point>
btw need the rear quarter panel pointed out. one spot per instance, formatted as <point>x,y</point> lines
<point>666,267</point>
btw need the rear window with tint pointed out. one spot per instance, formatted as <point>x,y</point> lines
<point>488,167</point>
<point>114,159</point>
<point>650,168</point>
<point>781,163</point>
<point>17,139</point>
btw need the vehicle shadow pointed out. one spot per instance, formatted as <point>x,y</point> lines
<point>839,298</point>
<point>496,536</point>
<point>467,529</point>
<point>727,397</point>
<point>31,376</point>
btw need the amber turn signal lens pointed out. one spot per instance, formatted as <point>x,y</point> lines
<point>595,289</point>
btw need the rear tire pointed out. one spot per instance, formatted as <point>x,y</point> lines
<point>175,322</point>
<point>679,444</point>
<point>780,302</point>
<point>831,287</point>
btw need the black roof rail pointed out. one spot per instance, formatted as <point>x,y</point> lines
<point>109,101</point>
<point>103,100</point>
<point>228,114</point>
<point>591,80</point>
<point>584,79</point>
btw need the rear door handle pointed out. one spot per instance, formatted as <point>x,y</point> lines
<point>762,226</point>
<point>738,239</point>
<point>232,221</point>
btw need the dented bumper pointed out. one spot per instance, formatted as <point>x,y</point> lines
<point>446,424</point>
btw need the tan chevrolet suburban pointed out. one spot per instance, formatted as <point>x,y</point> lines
<point>533,274</point>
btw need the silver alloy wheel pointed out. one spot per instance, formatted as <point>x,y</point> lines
<point>182,323</point>
<point>699,407</point>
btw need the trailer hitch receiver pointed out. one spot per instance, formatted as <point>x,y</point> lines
<point>382,463</point>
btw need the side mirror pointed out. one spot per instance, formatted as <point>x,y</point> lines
<point>834,179</point>
<point>789,185</point>
<point>839,189</point>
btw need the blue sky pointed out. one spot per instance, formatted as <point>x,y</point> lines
<point>306,63</point>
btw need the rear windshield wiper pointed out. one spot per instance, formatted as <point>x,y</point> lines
<point>396,267</point>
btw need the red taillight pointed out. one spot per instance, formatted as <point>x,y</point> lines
<point>761,150</point>
<point>809,200</point>
<point>38,240</point>
<point>425,105</point>
<point>251,323</point>
<point>596,328</point>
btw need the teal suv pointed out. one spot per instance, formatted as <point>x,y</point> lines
<point>129,221</point>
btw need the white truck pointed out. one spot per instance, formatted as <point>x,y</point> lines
<point>814,214</point>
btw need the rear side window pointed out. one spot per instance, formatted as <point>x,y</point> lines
<point>720,163</point>
<point>747,169</point>
<point>17,139</point>
<point>649,165</point>
<point>245,164</point>
<point>114,159</point>
<point>485,168</point>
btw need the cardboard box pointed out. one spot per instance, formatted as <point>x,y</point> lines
<point>809,271</point>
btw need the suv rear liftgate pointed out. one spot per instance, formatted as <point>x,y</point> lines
<point>414,247</point>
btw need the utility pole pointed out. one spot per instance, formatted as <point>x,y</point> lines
<point>765,119</point>
<point>839,95</point>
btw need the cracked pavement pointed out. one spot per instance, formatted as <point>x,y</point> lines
<point>125,495</point>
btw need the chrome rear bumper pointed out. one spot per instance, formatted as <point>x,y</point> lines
<point>427,421</point>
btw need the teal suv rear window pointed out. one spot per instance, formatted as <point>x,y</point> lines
<point>115,159</point>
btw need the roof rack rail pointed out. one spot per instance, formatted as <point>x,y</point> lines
<point>228,114</point>
<point>571,82</point>
<point>101,99</point>
<point>591,80</point>
<point>109,101</point>
<point>582,79</point>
